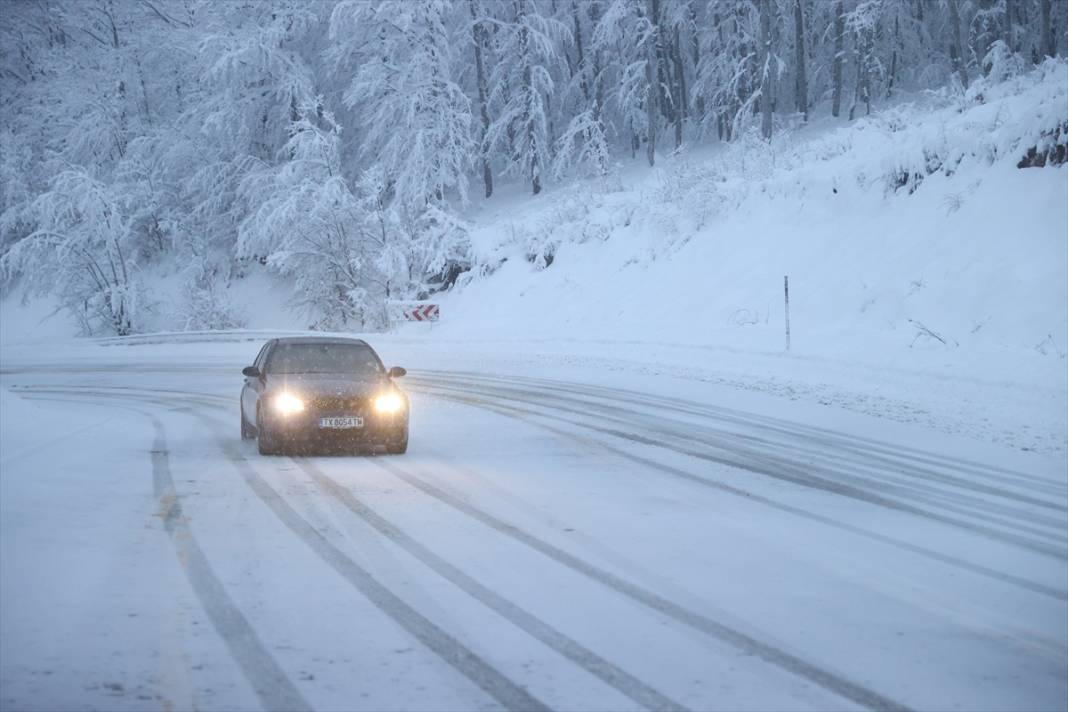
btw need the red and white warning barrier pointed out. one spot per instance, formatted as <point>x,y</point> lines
<point>413,311</point>
<point>421,312</point>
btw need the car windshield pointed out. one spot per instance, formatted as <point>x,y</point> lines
<point>323,358</point>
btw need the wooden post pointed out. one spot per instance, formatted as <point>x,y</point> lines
<point>786,294</point>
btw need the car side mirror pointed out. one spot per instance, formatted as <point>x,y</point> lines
<point>397,372</point>
<point>251,371</point>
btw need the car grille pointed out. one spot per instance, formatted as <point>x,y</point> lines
<point>347,405</point>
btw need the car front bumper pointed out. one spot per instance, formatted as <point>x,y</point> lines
<point>302,429</point>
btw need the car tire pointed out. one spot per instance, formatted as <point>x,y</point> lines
<point>398,447</point>
<point>266,445</point>
<point>264,442</point>
<point>247,431</point>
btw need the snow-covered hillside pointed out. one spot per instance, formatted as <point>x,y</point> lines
<point>928,272</point>
<point>909,232</point>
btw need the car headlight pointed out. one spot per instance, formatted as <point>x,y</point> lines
<point>388,403</point>
<point>288,404</point>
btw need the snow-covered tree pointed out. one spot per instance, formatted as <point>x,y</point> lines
<point>522,86</point>
<point>480,50</point>
<point>81,248</point>
<point>729,73</point>
<point>628,33</point>
<point>416,120</point>
<point>335,140</point>
<point>310,227</point>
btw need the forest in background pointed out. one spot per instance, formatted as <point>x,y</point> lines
<point>338,143</point>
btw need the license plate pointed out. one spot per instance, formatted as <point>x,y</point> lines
<point>341,423</point>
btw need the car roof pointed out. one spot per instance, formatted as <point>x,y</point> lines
<point>320,340</point>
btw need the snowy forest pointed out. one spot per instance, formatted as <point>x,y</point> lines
<point>339,144</point>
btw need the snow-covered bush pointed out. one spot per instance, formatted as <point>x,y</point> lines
<point>81,248</point>
<point>204,303</point>
<point>583,142</point>
<point>1019,119</point>
<point>1001,63</point>
<point>440,251</point>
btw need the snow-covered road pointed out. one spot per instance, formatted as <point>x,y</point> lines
<point>553,539</point>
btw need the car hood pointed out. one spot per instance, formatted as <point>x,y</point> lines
<point>313,385</point>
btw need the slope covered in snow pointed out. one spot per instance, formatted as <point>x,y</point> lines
<point>905,233</point>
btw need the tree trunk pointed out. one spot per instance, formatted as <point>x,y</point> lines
<point>1049,46</point>
<point>1009,34</point>
<point>865,74</point>
<point>680,87</point>
<point>650,109</point>
<point>862,91</point>
<point>839,39</point>
<point>746,81</point>
<point>695,51</point>
<point>581,60</point>
<point>124,128</point>
<point>527,79</point>
<point>532,134</point>
<point>598,83</point>
<point>801,83</point>
<point>665,80</point>
<point>144,89</point>
<point>478,35</point>
<point>956,49</point>
<point>766,97</point>
<point>652,91</point>
<point>893,59</point>
<point>988,32</point>
<point>859,72</point>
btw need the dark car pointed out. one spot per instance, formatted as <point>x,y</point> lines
<point>322,391</point>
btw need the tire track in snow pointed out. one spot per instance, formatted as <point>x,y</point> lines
<point>1051,544</point>
<point>790,663</point>
<point>535,418</point>
<point>594,664</point>
<point>449,649</point>
<point>825,679</point>
<point>599,667</point>
<point>859,445</point>
<point>865,453</point>
<point>263,674</point>
<point>773,467</point>
<point>525,416</point>
<point>852,692</point>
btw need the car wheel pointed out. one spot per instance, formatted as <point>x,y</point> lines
<point>247,431</point>
<point>398,447</point>
<point>264,442</point>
